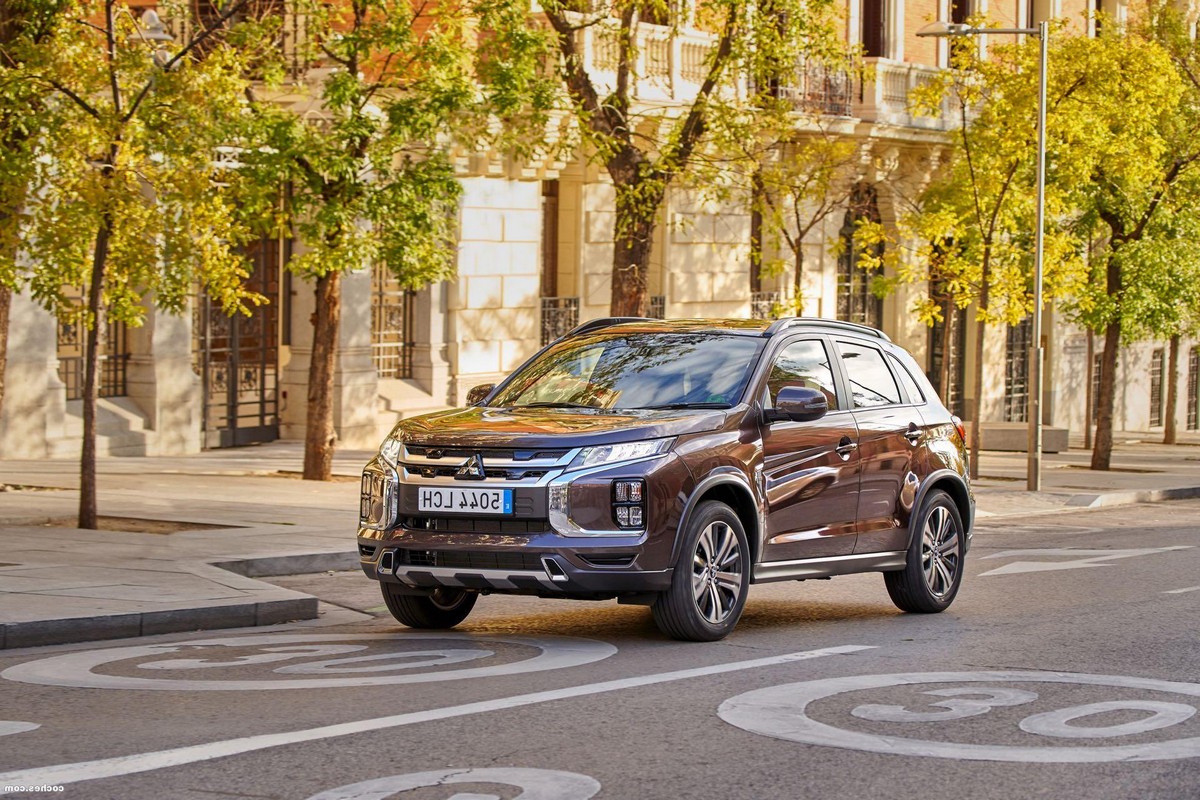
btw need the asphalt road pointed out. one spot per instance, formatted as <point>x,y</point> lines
<point>1069,667</point>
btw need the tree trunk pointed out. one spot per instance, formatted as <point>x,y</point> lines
<point>980,335</point>
<point>93,347</point>
<point>319,434</point>
<point>798,277</point>
<point>1102,449</point>
<point>1170,429</point>
<point>5,307</point>
<point>1089,395</point>
<point>637,217</point>
<point>949,316</point>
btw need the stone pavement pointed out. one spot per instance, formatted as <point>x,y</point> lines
<point>251,517</point>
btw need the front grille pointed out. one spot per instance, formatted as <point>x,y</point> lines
<point>493,474</point>
<point>471,525</point>
<point>469,559</point>
<point>506,454</point>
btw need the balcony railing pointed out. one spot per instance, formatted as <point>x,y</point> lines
<point>883,95</point>
<point>817,89</point>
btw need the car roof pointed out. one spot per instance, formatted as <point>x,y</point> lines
<point>741,327</point>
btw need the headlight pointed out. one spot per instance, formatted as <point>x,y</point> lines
<point>616,453</point>
<point>390,450</point>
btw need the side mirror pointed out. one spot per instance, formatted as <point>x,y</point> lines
<point>479,393</point>
<point>800,404</point>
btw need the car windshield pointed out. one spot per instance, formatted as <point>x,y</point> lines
<point>636,370</point>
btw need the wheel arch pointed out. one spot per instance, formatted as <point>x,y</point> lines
<point>732,489</point>
<point>952,484</point>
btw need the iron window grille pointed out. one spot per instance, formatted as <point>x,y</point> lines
<point>559,315</point>
<point>764,304</point>
<point>1016,371</point>
<point>1156,388</point>
<point>391,325</point>
<point>658,306</point>
<point>1193,390</point>
<point>113,362</point>
<point>954,372</point>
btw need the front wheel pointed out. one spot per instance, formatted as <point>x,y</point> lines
<point>708,588</point>
<point>930,579</point>
<point>443,608</point>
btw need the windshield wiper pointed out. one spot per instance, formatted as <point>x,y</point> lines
<point>548,404</point>
<point>666,406</point>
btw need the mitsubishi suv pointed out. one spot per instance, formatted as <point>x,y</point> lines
<point>673,463</point>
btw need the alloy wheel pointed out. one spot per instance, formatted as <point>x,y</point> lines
<point>717,572</point>
<point>940,554</point>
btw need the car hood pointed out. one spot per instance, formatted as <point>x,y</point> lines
<point>553,427</point>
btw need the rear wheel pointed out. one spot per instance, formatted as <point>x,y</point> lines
<point>930,580</point>
<point>443,608</point>
<point>708,588</point>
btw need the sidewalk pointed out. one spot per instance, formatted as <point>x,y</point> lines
<point>250,517</point>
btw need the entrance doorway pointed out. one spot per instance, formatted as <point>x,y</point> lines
<point>237,357</point>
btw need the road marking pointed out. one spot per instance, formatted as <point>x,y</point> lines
<point>1091,558</point>
<point>9,726</point>
<point>206,655</point>
<point>1183,591</point>
<point>62,774</point>
<point>781,713</point>
<point>535,784</point>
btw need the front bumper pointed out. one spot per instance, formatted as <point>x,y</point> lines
<point>560,546</point>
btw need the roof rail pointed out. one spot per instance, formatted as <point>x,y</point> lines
<point>819,322</point>
<point>603,322</point>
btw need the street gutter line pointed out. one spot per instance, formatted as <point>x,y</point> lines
<point>63,774</point>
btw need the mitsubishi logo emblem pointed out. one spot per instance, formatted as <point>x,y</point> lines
<point>471,469</point>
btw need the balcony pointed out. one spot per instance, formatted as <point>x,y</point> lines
<point>882,97</point>
<point>669,66</point>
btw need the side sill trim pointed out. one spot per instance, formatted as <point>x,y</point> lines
<point>828,567</point>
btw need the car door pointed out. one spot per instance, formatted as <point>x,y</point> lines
<point>890,428</point>
<point>810,469</point>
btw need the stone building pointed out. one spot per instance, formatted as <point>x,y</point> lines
<point>534,256</point>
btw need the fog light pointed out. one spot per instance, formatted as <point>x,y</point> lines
<point>628,506</point>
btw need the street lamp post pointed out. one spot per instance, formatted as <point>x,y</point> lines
<point>1034,460</point>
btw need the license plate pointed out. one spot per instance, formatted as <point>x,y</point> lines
<point>452,500</point>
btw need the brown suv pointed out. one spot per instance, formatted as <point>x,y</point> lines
<point>672,464</point>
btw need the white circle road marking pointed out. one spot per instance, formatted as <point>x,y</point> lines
<point>779,712</point>
<point>535,784</point>
<point>10,726</point>
<point>76,669</point>
<point>135,763</point>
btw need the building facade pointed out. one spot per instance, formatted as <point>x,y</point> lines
<point>534,259</point>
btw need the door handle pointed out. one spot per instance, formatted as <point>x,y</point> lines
<point>913,434</point>
<point>845,447</point>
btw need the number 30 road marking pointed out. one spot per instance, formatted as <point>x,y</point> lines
<point>781,712</point>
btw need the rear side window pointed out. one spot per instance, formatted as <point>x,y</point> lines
<point>911,388</point>
<point>871,382</point>
<point>802,364</point>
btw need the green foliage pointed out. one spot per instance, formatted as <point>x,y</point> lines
<point>403,90</point>
<point>124,144</point>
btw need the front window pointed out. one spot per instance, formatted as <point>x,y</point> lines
<point>636,370</point>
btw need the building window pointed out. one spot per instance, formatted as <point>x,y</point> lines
<point>559,315</point>
<point>855,300</point>
<point>873,34</point>
<point>391,324</point>
<point>960,11</point>
<point>1193,390</point>
<point>1097,362</point>
<point>114,358</point>
<point>1016,371</point>
<point>1156,388</point>
<point>658,306</point>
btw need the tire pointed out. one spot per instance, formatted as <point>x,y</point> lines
<point>710,582</point>
<point>930,580</point>
<point>444,608</point>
